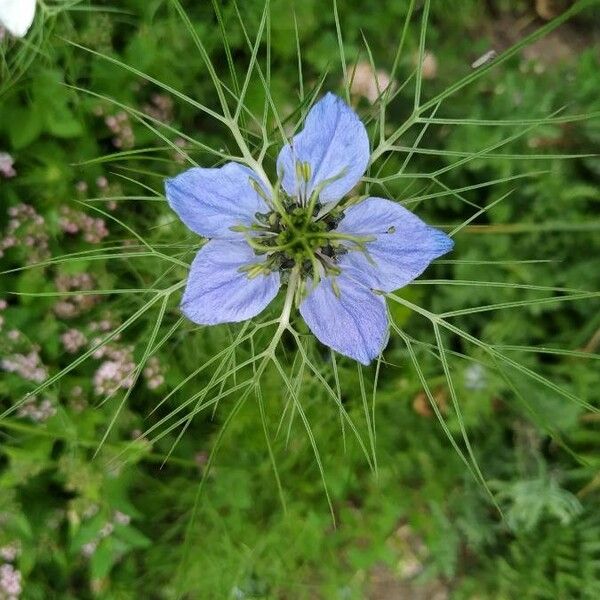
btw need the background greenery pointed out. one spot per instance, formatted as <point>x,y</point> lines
<point>100,492</point>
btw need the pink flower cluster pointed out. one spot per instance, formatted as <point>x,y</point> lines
<point>10,582</point>
<point>116,371</point>
<point>38,412</point>
<point>137,435</point>
<point>119,518</point>
<point>104,188</point>
<point>72,221</point>
<point>103,325</point>
<point>29,366</point>
<point>11,551</point>
<point>7,165</point>
<point>367,82</point>
<point>102,183</point>
<point>26,228</point>
<point>180,155</point>
<point>20,356</point>
<point>77,401</point>
<point>160,108</point>
<point>153,373</point>
<point>72,306</point>
<point>73,340</point>
<point>120,127</point>
<point>3,305</point>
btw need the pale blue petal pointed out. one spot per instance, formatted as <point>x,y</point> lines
<point>334,142</point>
<point>211,201</point>
<point>354,323</point>
<point>217,292</point>
<point>403,248</point>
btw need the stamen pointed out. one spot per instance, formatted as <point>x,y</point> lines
<point>303,175</point>
<point>317,191</point>
<point>259,190</point>
<point>254,270</point>
<point>336,288</point>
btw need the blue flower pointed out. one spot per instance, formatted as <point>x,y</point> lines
<point>341,255</point>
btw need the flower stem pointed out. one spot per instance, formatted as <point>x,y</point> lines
<point>284,319</point>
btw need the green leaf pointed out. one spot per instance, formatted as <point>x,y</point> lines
<point>24,126</point>
<point>61,122</point>
<point>103,559</point>
<point>133,537</point>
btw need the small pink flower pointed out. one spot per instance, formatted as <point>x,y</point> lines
<point>28,366</point>
<point>115,372</point>
<point>88,549</point>
<point>11,551</point>
<point>72,221</point>
<point>160,108</point>
<point>26,227</point>
<point>81,187</point>
<point>106,530</point>
<point>153,373</point>
<point>102,182</point>
<point>6,165</point>
<point>38,412</point>
<point>10,581</point>
<point>366,82</point>
<point>73,340</point>
<point>74,305</point>
<point>121,518</point>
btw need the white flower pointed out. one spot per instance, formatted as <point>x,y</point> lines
<point>17,15</point>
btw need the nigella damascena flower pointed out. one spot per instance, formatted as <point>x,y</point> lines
<point>340,254</point>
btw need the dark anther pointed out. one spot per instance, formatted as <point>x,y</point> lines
<point>332,220</point>
<point>262,218</point>
<point>307,268</point>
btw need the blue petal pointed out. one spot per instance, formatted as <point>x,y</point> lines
<point>211,201</point>
<point>217,292</point>
<point>354,323</point>
<point>403,247</point>
<point>333,142</point>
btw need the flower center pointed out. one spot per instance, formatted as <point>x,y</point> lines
<point>298,236</point>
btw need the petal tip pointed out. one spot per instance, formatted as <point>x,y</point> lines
<point>444,242</point>
<point>331,97</point>
<point>170,184</point>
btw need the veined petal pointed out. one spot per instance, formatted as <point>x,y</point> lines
<point>352,321</point>
<point>218,292</point>
<point>402,249</point>
<point>17,15</point>
<point>211,201</point>
<point>334,143</point>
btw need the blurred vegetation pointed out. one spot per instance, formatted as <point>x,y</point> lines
<point>120,516</point>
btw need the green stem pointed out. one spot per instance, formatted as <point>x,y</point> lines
<point>284,319</point>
